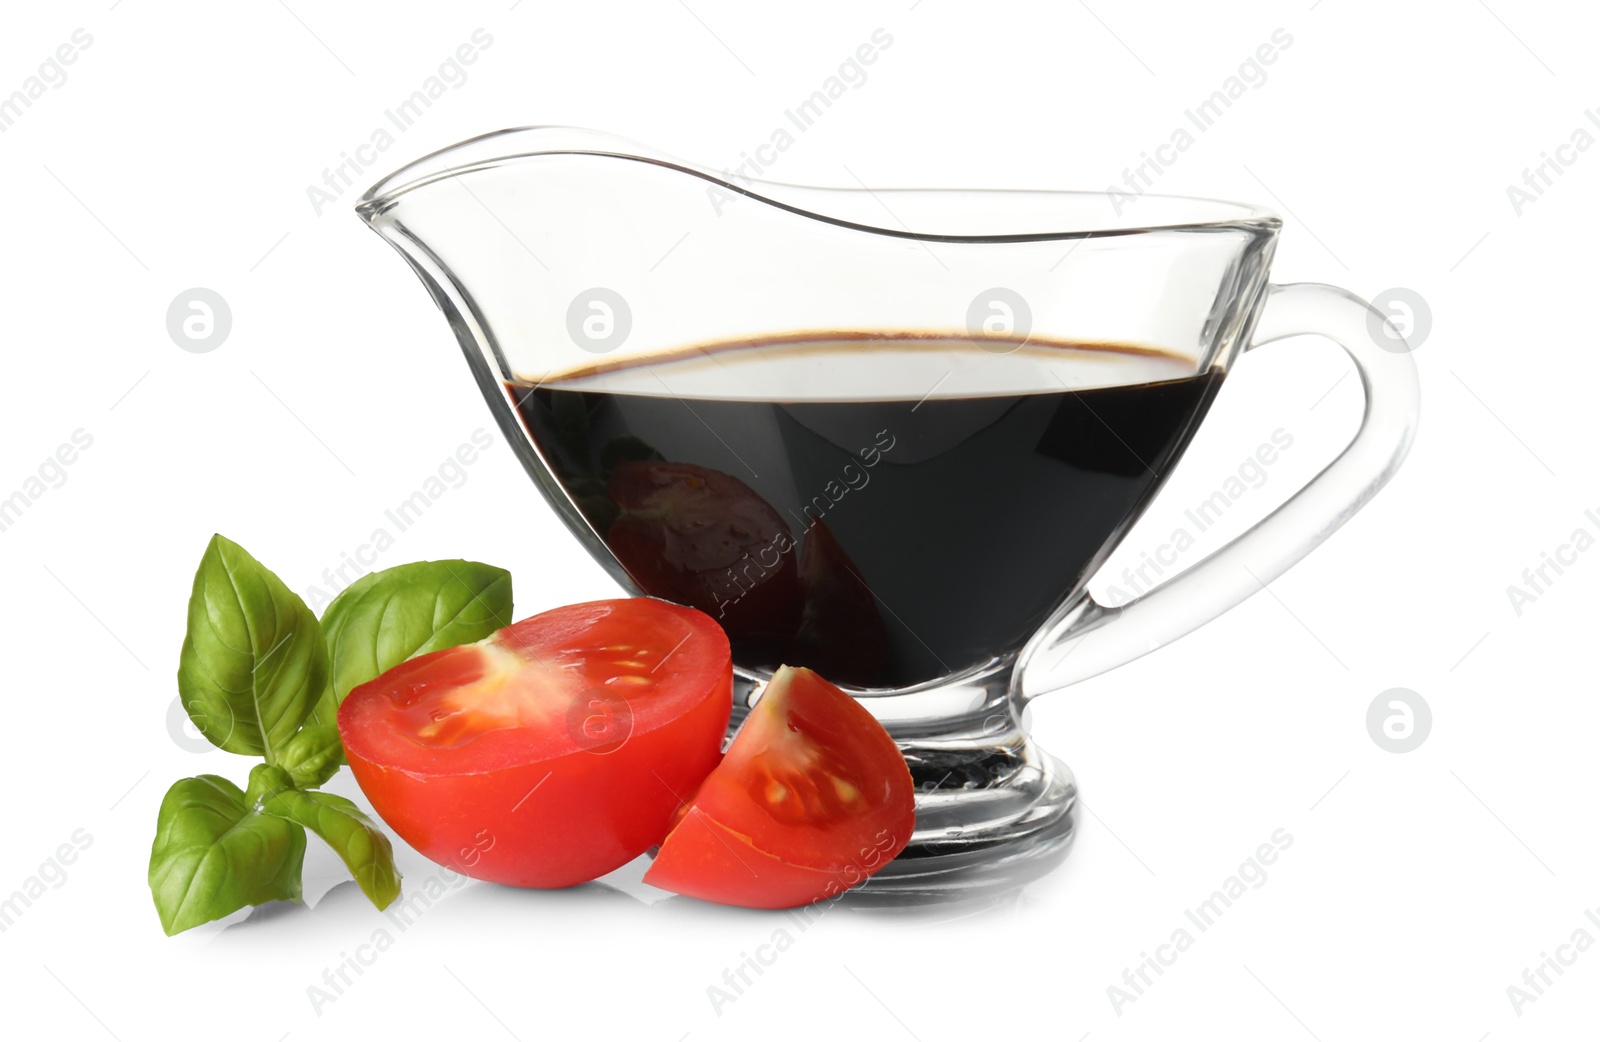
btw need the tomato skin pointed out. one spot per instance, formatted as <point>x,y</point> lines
<point>763,830</point>
<point>555,823</point>
<point>497,808</point>
<point>705,859</point>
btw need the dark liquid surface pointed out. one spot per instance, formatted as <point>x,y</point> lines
<point>884,543</point>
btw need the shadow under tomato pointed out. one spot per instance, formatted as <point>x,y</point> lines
<point>490,907</point>
<point>490,903</point>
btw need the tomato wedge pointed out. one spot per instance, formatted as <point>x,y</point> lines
<point>554,751</point>
<point>812,797</point>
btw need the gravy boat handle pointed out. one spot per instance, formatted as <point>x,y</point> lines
<point>1087,638</point>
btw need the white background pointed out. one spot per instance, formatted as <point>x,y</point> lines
<point>1418,887</point>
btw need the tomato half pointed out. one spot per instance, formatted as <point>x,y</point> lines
<point>812,797</point>
<point>554,751</point>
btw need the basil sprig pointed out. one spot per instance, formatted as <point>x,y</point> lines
<point>260,676</point>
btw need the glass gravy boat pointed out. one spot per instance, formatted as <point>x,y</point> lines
<point>887,433</point>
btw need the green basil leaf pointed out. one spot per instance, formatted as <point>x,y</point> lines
<point>363,848</point>
<point>312,756</point>
<point>384,618</point>
<point>214,854</point>
<point>253,661</point>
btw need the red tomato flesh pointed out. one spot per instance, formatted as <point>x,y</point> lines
<point>554,751</point>
<point>812,798</point>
